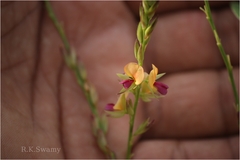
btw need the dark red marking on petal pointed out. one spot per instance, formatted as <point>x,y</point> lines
<point>161,87</point>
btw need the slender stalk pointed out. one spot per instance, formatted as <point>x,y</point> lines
<point>73,64</point>
<point>144,30</point>
<point>90,101</point>
<point>57,25</point>
<point>131,124</point>
<point>79,77</point>
<point>225,57</point>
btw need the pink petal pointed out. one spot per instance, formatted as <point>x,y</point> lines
<point>127,83</point>
<point>109,107</point>
<point>161,87</point>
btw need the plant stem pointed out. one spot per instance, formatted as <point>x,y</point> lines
<point>131,124</point>
<point>87,94</point>
<point>57,25</point>
<point>80,78</point>
<point>144,30</point>
<point>225,57</point>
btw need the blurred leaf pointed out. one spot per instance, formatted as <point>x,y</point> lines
<point>104,123</point>
<point>122,76</point>
<point>143,127</point>
<point>235,8</point>
<point>160,75</point>
<point>130,109</point>
<point>93,94</point>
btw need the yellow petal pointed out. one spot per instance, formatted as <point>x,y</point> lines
<point>134,71</point>
<point>139,75</point>
<point>121,103</point>
<point>130,69</point>
<point>152,76</point>
<point>145,88</point>
<point>155,69</point>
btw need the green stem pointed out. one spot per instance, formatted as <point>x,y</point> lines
<point>82,84</point>
<point>144,30</point>
<point>131,124</point>
<point>80,79</point>
<point>57,25</point>
<point>225,57</point>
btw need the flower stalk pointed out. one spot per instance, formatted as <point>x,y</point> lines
<point>131,124</point>
<point>225,57</point>
<point>145,27</point>
<point>134,80</point>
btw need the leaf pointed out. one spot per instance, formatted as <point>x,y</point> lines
<point>122,76</point>
<point>102,142</point>
<point>130,109</point>
<point>130,89</point>
<point>143,18</point>
<point>115,114</point>
<point>104,123</point>
<point>82,71</point>
<point>95,126</point>
<point>93,94</point>
<point>143,127</point>
<point>235,8</point>
<point>140,33</point>
<point>160,75</point>
<point>136,48</point>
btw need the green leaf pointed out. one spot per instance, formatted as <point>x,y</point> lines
<point>235,8</point>
<point>149,96</point>
<point>82,71</point>
<point>102,142</point>
<point>140,33</point>
<point>143,127</point>
<point>202,9</point>
<point>139,54</point>
<point>104,123</point>
<point>70,59</point>
<point>148,31</point>
<point>115,114</point>
<point>122,76</point>
<point>130,109</point>
<point>130,89</point>
<point>136,48</point>
<point>160,75</point>
<point>143,17</point>
<point>93,94</point>
<point>95,126</point>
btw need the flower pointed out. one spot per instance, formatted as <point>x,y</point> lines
<point>132,77</point>
<point>135,72</point>
<point>118,109</point>
<point>161,87</point>
<point>151,88</point>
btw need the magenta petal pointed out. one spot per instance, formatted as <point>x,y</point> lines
<point>127,83</point>
<point>109,107</point>
<point>161,87</point>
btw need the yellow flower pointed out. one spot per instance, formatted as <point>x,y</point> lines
<point>152,76</point>
<point>118,109</point>
<point>151,88</point>
<point>135,72</point>
<point>160,87</point>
